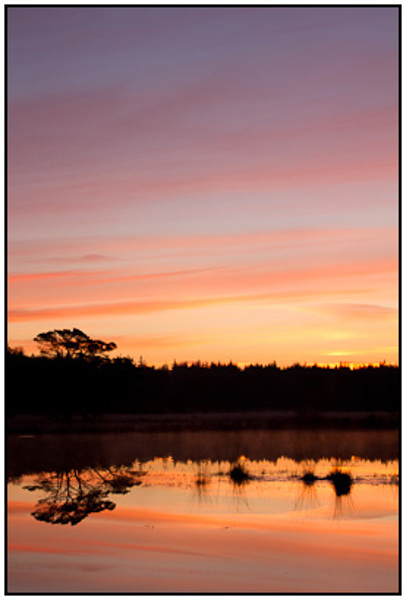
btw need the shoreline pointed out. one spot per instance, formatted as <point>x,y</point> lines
<point>43,424</point>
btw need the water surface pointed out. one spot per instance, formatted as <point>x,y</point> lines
<point>204,512</point>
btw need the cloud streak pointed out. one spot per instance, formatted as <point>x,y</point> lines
<point>164,161</point>
<point>367,312</point>
<point>151,306</point>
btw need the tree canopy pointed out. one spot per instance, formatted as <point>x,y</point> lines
<point>71,343</point>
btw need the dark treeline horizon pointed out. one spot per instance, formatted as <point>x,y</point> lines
<point>66,386</point>
<point>207,364</point>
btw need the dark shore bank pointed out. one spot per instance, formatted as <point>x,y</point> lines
<point>33,424</point>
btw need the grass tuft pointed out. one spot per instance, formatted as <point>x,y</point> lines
<point>238,474</point>
<point>201,480</point>
<point>309,478</point>
<point>342,482</point>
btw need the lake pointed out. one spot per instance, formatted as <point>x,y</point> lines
<point>204,511</point>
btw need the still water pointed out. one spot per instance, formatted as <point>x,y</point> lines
<point>246,511</point>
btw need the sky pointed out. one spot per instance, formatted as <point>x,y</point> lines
<point>214,184</point>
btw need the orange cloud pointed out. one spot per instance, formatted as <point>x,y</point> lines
<point>25,277</point>
<point>150,306</point>
<point>104,309</point>
<point>205,287</point>
<point>98,276</point>
<point>360,311</point>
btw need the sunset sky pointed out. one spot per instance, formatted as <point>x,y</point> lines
<point>206,183</point>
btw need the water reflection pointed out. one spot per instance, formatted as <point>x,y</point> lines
<point>73,495</point>
<point>307,496</point>
<point>307,491</point>
<point>201,511</point>
<point>202,479</point>
<point>239,475</point>
<point>52,452</point>
<point>73,488</point>
<point>341,483</point>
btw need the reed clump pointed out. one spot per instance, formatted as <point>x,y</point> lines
<point>342,482</point>
<point>201,480</point>
<point>309,478</point>
<point>239,475</point>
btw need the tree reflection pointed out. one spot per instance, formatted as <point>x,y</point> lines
<point>73,495</point>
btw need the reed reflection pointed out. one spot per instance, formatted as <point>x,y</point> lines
<point>202,479</point>
<point>341,482</point>
<point>240,478</point>
<point>201,485</point>
<point>307,496</point>
<point>73,495</point>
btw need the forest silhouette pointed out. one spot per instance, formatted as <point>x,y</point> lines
<point>74,376</point>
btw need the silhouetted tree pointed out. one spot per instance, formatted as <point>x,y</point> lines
<point>71,343</point>
<point>16,351</point>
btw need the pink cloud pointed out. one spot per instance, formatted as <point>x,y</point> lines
<point>246,264</point>
<point>118,247</point>
<point>137,147</point>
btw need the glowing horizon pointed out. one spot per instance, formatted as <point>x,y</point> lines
<point>213,184</point>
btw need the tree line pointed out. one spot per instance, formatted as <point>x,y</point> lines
<point>73,375</point>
